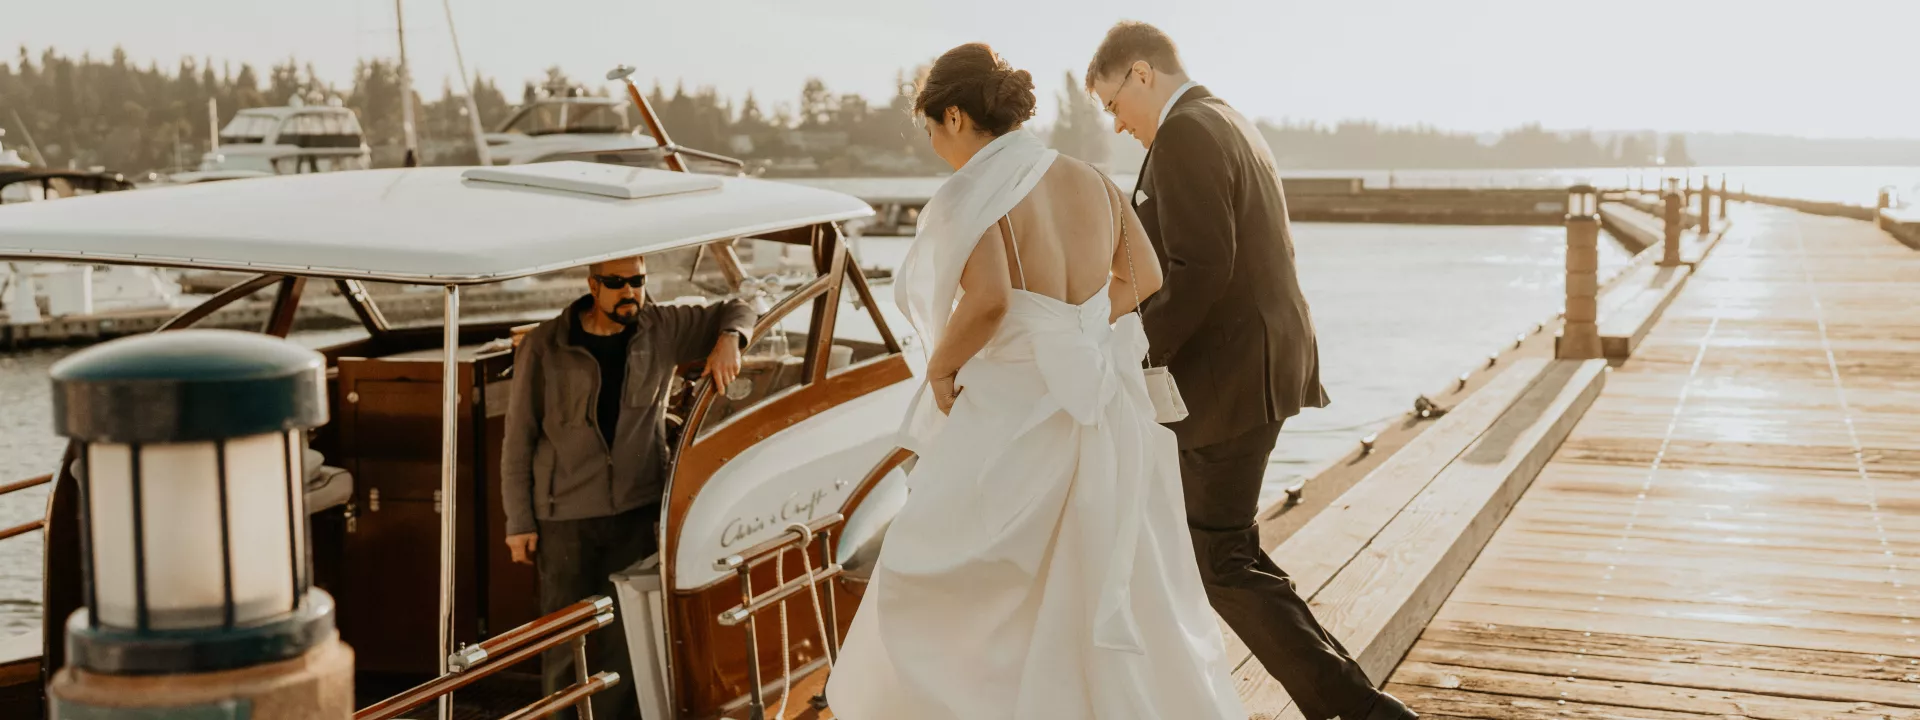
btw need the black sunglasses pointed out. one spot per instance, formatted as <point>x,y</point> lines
<point>618,282</point>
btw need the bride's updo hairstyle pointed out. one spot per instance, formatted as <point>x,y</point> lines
<point>975,79</point>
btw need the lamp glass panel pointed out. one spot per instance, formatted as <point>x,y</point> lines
<point>109,496</point>
<point>257,518</point>
<point>180,505</point>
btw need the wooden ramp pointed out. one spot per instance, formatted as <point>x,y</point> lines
<point>1733,530</point>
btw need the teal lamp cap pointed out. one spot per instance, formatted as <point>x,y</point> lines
<point>188,386</point>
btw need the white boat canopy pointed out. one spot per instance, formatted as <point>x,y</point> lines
<point>438,226</point>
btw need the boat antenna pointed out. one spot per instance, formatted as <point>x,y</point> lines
<point>407,132</point>
<point>473,108</point>
<point>28,135</point>
<point>624,73</point>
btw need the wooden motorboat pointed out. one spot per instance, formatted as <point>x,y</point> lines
<point>790,470</point>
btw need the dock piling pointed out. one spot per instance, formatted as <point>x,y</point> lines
<point>1580,338</point>
<point>1723,196</point>
<point>1675,208</point>
<point>1706,207</point>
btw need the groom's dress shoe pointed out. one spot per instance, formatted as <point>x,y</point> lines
<point>1388,707</point>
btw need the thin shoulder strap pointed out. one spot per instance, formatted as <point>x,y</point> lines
<point>1013,246</point>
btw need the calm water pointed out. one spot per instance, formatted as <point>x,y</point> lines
<point>1857,185</point>
<point>1400,310</point>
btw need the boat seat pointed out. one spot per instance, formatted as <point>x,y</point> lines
<point>327,486</point>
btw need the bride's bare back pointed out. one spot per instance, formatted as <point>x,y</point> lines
<point>1066,236</point>
<point>1065,233</point>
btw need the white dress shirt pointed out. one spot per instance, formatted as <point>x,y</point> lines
<point>1170,101</point>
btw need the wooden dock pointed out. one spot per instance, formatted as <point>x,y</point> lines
<point>1733,529</point>
<point>1727,527</point>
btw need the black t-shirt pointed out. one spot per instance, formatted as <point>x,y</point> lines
<point>610,351</point>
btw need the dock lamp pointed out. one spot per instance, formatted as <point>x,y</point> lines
<point>1580,337</point>
<point>1583,201</point>
<point>199,592</point>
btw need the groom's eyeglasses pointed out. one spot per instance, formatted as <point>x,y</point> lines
<point>1117,89</point>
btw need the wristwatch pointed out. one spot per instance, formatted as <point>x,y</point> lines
<point>737,334</point>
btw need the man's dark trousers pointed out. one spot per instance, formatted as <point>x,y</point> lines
<point>575,559</point>
<point>1249,591</point>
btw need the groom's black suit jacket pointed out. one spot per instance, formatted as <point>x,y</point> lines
<point>1230,322</point>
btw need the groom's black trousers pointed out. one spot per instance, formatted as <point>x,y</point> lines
<point>1254,595</point>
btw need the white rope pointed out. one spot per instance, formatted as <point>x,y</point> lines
<point>813,590</point>
<point>819,618</point>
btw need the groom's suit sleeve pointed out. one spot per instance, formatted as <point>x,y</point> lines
<point>1195,225</point>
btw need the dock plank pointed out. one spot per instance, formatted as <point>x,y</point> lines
<point>1378,603</point>
<point>1786,683</point>
<point>1667,650</point>
<point>1443,704</point>
<point>1318,550</point>
<point>1465,503</point>
<point>1641,697</point>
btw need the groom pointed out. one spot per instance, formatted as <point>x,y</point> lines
<point>1232,327</point>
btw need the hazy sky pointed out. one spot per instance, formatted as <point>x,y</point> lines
<point>1831,68</point>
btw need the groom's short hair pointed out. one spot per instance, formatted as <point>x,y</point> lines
<point>1130,41</point>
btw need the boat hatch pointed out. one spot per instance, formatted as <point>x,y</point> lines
<point>614,181</point>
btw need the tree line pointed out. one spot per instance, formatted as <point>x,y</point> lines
<point>1366,145</point>
<point>87,112</point>
<point>118,114</point>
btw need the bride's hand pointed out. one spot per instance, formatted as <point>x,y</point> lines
<point>945,392</point>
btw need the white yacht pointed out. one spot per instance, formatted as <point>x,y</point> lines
<point>295,138</point>
<point>566,126</point>
<point>35,292</point>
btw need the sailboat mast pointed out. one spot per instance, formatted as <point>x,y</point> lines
<point>213,125</point>
<point>26,133</point>
<point>408,134</point>
<point>470,82</point>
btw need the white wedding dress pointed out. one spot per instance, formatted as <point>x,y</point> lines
<point>1041,568</point>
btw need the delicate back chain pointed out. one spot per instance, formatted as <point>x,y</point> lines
<point>1133,278</point>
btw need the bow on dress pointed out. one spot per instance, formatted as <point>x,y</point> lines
<point>1086,372</point>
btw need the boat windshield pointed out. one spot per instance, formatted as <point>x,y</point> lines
<point>21,189</point>
<point>248,128</point>
<point>548,118</point>
<point>321,130</point>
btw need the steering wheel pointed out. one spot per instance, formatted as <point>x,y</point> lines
<point>681,395</point>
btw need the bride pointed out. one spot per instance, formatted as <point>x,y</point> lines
<point>1041,568</point>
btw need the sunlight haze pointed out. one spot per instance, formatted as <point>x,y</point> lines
<point>1486,65</point>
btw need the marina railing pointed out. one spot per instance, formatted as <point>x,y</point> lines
<point>31,525</point>
<point>473,663</point>
<point>801,537</point>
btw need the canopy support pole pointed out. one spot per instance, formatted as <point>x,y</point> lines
<point>449,465</point>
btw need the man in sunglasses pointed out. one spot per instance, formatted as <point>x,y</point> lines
<point>1232,326</point>
<point>584,461</point>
